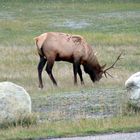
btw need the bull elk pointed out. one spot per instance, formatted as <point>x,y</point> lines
<point>56,46</point>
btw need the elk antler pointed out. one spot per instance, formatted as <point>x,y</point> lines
<point>112,66</point>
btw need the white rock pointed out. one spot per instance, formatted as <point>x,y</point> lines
<point>15,102</point>
<point>133,87</point>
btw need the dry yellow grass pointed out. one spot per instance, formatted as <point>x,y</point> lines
<point>19,65</point>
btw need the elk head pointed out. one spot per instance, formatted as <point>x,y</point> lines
<point>96,72</point>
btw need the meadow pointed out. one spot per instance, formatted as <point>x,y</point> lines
<point>110,26</point>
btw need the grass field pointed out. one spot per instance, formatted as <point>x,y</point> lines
<point>110,26</point>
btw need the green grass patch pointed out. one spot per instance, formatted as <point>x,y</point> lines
<point>74,128</point>
<point>21,21</point>
<point>20,122</point>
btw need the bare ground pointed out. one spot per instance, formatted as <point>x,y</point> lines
<point>77,105</point>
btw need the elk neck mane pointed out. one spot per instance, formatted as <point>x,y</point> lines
<point>92,66</point>
<point>92,60</point>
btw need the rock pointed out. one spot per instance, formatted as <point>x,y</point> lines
<point>15,102</point>
<point>133,87</point>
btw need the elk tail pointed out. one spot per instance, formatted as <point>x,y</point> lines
<point>39,48</point>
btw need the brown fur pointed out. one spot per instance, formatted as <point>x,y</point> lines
<point>55,46</point>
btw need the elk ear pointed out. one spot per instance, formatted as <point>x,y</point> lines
<point>103,66</point>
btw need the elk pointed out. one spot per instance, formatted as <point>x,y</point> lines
<point>57,46</point>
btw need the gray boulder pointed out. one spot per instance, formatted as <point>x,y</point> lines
<point>15,102</point>
<point>133,87</point>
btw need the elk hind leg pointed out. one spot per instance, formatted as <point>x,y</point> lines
<point>41,65</point>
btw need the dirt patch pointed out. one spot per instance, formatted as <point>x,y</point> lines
<point>72,24</point>
<point>84,104</point>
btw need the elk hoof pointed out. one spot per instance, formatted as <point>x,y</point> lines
<point>40,86</point>
<point>55,84</point>
<point>82,83</point>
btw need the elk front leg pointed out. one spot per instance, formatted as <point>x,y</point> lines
<point>41,65</point>
<point>80,75</point>
<point>75,70</point>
